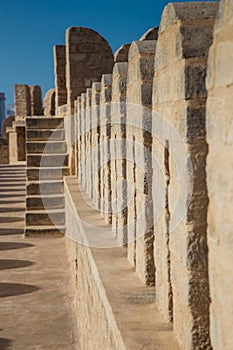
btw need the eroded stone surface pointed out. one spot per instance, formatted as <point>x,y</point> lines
<point>219,173</point>
<point>179,97</point>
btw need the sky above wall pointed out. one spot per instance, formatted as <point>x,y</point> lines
<point>30,28</point>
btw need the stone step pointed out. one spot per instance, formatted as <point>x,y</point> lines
<point>44,123</point>
<point>45,135</point>
<point>47,173</point>
<point>44,187</point>
<point>44,231</point>
<point>46,147</point>
<point>45,218</point>
<point>48,202</point>
<point>50,160</point>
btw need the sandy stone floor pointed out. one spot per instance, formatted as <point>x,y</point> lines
<point>35,298</point>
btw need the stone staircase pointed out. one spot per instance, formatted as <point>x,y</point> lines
<point>47,163</point>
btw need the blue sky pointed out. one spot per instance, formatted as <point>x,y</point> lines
<point>30,28</point>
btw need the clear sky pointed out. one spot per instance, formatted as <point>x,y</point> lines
<point>30,28</point>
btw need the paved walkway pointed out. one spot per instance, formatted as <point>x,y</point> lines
<point>35,298</point>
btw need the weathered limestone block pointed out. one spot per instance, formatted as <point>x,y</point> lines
<point>59,53</point>
<point>88,56</point>
<point>121,55</point>
<point>22,100</point>
<point>36,100</point>
<point>118,152</point>
<point>105,156</point>
<point>139,166</point>
<point>179,146</point>
<point>219,177</point>
<point>151,34</point>
<point>96,89</point>
<point>49,103</point>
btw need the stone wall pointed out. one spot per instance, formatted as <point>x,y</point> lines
<point>219,177</point>
<point>148,175</point>
<point>179,98</point>
<point>114,309</point>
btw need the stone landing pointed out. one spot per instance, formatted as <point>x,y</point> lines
<point>36,310</point>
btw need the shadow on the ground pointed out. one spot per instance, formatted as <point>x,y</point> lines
<point>13,195</point>
<point>14,245</point>
<point>13,289</point>
<point>11,231</point>
<point>11,210</point>
<point>13,179</point>
<point>5,344</point>
<point>11,219</point>
<point>7,264</point>
<point>9,202</point>
<point>9,190</point>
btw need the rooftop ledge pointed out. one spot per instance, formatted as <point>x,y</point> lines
<point>119,301</point>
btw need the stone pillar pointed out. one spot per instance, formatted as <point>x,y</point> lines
<point>179,103</point>
<point>88,56</point>
<point>140,210</point>
<point>36,100</point>
<point>13,150</point>
<point>78,139</point>
<point>60,75</point>
<point>219,178</point>
<point>105,157</point>
<point>22,100</point>
<point>118,152</point>
<point>96,88</point>
<point>88,185</point>
<point>49,103</point>
<point>83,139</point>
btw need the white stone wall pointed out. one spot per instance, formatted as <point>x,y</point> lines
<point>142,143</point>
